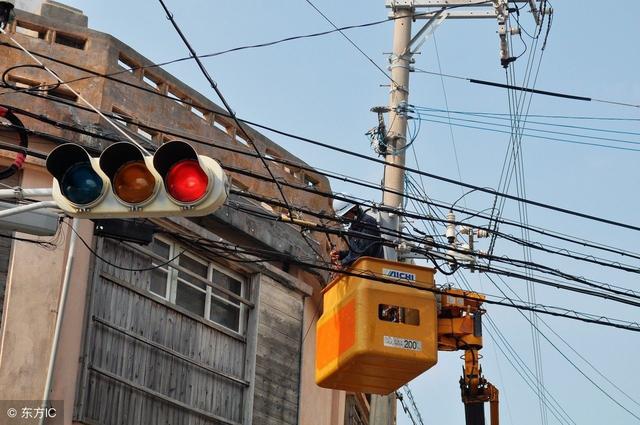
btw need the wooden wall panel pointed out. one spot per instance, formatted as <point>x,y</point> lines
<point>147,363</point>
<point>277,377</point>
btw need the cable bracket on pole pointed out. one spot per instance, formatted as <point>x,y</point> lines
<point>18,193</point>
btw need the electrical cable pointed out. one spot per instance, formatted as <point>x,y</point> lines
<point>530,380</point>
<point>43,156</point>
<point>570,347</point>
<point>143,269</point>
<point>504,116</point>
<point>235,49</point>
<point>595,319</point>
<point>425,110</point>
<point>8,171</point>
<point>501,259</point>
<point>404,168</point>
<point>583,136</point>
<point>545,232</point>
<point>405,408</point>
<point>446,102</point>
<point>528,90</point>
<point>41,88</point>
<point>553,139</point>
<point>510,273</point>
<point>78,95</point>
<point>575,366</point>
<point>247,137</point>
<point>351,42</point>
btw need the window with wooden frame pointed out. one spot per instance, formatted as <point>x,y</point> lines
<point>194,285</point>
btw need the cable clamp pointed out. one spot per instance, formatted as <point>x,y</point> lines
<point>18,193</point>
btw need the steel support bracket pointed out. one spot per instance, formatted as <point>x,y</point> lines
<point>400,4</point>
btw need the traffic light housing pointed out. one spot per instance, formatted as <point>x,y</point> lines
<point>125,183</point>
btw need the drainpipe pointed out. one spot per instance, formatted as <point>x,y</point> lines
<point>61,305</point>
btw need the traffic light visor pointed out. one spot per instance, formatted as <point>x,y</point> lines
<point>184,178</point>
<point>71,165</point>
<point>132,181</point>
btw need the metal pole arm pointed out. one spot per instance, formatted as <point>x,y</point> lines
<point>20,193</point>
<point>494,403</point>
<point>30,207</point>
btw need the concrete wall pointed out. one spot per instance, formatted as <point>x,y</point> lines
<point>318,406</point>
<point>33,288</point>
<point>32,6</point>
<point>66,369</point>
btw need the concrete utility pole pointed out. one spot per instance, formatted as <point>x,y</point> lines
<point>383,408</point>
<point>383,411</point>
<point>396,138</point>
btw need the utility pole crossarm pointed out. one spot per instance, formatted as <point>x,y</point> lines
<point>464,14</point>
<point>442,3</point>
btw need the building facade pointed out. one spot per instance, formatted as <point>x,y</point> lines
<point>183,330</point>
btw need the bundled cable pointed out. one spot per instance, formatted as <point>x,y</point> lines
<point>18,162</point>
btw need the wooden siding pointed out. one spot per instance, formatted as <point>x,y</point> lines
<point>277,375</point>
<point>354,413</point>
<point>148,362</point>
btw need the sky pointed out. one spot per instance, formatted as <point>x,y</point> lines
<point>323,88</point>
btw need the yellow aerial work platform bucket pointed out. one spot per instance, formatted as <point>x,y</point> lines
<point>374,337</point>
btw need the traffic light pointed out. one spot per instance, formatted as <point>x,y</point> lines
<point>123,182</point>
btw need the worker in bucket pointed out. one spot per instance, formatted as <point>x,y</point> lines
<point>6,12</point>
<point>359,222</point>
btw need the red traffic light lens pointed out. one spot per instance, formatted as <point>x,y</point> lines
<point>133,182</point>
<point>186,181</point>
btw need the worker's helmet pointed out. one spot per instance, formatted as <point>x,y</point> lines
<point>341,206</point>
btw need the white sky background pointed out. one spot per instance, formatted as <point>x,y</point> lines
<point>322,88</point>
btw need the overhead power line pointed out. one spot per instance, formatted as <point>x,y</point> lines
<point>214,86</point>
<point>554,139</point>
<point>529,90</point>
<point>608,288</point>
<point>529,128</point>
<point>571,362</point>
<point>503,117</point>
<point>247,137</point>
<point>371,185</point>
<point>239,48</point>
<point>380,161</point>
<point>595,319</point>
<point>539,308</point>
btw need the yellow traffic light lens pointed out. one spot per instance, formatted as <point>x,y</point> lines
<point>133,182</point>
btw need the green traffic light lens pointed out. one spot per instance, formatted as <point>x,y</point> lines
<point>81,184</point>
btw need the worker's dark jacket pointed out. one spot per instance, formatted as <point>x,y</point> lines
<point>361,247</point>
